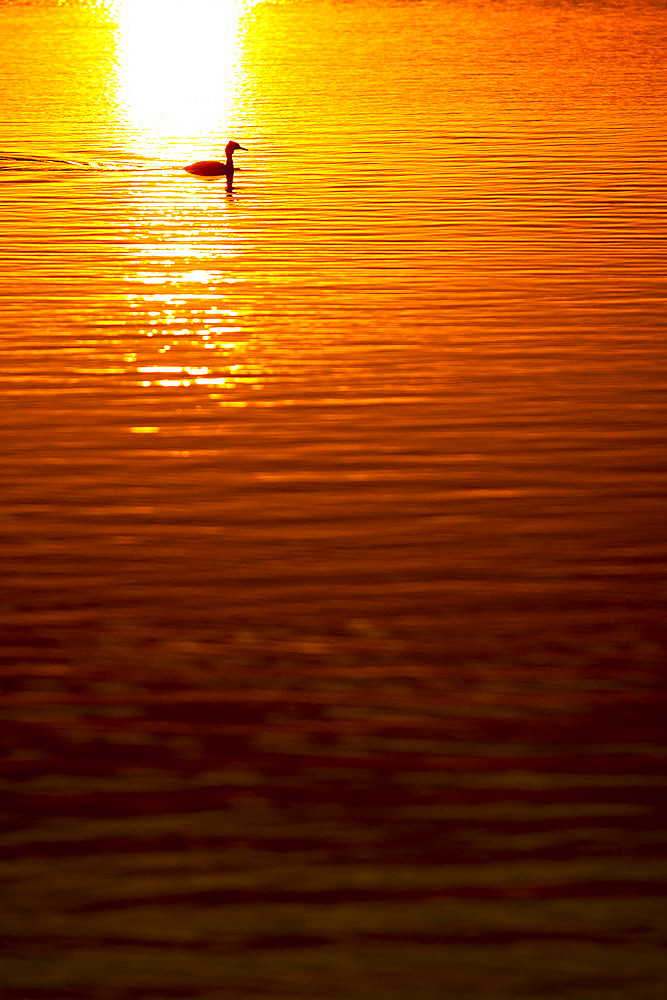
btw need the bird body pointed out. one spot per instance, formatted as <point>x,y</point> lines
<point>216,168</point>
<point>207,168</point>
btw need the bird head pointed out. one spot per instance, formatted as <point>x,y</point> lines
<point>232,146</point>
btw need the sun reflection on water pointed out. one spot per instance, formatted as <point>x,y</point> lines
<point>180,79</point>
<point>178,71</point>
<point>180,326</point>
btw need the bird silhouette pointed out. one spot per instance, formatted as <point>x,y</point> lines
<point>216,168</point>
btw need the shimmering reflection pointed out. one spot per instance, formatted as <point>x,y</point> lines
<point>178,71</point>
<point>179,74</point>
<point>184,261</point>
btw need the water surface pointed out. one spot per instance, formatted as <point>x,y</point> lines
<point>333,512</point>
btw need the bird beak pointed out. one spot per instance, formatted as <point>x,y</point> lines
<point>243,148</point>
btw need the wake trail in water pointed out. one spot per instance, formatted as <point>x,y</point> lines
<point>16,163</point>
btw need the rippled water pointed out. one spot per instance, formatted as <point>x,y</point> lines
<point>333,513</point>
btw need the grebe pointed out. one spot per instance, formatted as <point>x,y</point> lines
<point>215,168</point>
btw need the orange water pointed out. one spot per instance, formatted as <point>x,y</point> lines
<point>333,509</point>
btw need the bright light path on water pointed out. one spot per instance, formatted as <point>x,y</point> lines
<point>178,73</point>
